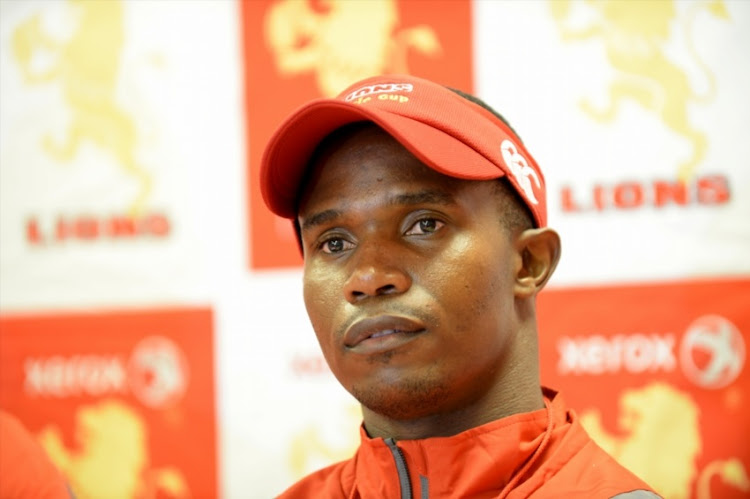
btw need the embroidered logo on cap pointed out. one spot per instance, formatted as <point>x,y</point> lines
<point>380,88</point>
<point>520,169</point>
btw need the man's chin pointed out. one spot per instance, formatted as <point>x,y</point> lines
<point>409,400</point>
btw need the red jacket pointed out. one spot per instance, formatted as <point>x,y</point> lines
<point>25,469</point>
<point>540,454</point>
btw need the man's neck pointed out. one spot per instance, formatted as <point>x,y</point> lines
<point>513,400</point>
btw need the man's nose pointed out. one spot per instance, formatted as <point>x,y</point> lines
<point>376,271</point>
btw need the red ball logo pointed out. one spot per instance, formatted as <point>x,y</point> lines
<point>712,353</point>
<point>157,372</point>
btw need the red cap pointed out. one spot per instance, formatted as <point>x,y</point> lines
<point>447,132</point>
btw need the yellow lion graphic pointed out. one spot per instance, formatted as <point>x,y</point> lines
<point>111,458</point>
<point>659,440</point>
<point>319,40</point>
<point>634,34</point>
<point>86,67</point>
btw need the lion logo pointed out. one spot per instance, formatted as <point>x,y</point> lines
<point>634,35</point>
<point>659,440</point>
<point>110,457</point>
<point>341,41</point>
<point>86,66</point>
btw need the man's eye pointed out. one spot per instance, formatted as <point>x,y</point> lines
<point>425,226</point>
<point>335,245</point>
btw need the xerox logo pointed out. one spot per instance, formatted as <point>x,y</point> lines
<point>712,353</point>
<point>155,373</point>
<point>520,169</point>
<point>631,353</point>
<point>60,376</point>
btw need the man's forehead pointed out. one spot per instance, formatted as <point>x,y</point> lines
<point>353,150</point>
<point>365,166</point>
<point>352,138</point>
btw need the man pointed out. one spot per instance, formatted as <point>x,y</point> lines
<point>422,222</point>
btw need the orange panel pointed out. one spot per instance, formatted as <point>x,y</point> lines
<point>659,374</point>
<point>297,51</point>
<point>122,402</point>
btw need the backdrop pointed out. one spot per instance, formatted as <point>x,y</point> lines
<point>152,331</point>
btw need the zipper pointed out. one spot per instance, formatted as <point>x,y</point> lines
<point>403,471</point>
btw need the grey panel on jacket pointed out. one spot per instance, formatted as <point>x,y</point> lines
<point>637,494</point>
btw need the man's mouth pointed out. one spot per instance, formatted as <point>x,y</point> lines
<point>382,331</point>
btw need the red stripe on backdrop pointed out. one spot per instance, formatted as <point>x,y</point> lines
<point>658,373</point>
<point>127,393</point>
<point>297,51</point>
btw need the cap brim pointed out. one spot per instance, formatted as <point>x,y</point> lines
<point>295,141</point>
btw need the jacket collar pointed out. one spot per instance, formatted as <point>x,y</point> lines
<point>484,459</point>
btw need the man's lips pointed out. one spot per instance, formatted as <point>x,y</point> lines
<point>379,327</point>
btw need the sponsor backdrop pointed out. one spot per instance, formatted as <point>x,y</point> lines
<point>152,331</point>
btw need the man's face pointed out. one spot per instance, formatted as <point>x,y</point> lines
<point>408,278</point>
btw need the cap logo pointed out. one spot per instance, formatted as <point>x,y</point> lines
<point>520,169</point>
<point>380,88</point>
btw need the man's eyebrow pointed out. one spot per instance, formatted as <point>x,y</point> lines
<point>411,198</point>
<point>423,197</point>
<point>319,219</point>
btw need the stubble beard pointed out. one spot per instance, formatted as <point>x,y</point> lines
<point>406,400</point>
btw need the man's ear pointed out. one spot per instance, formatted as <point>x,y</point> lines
<point>538,251</point>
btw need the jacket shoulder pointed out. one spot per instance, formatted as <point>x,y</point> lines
<point>580,468</point>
